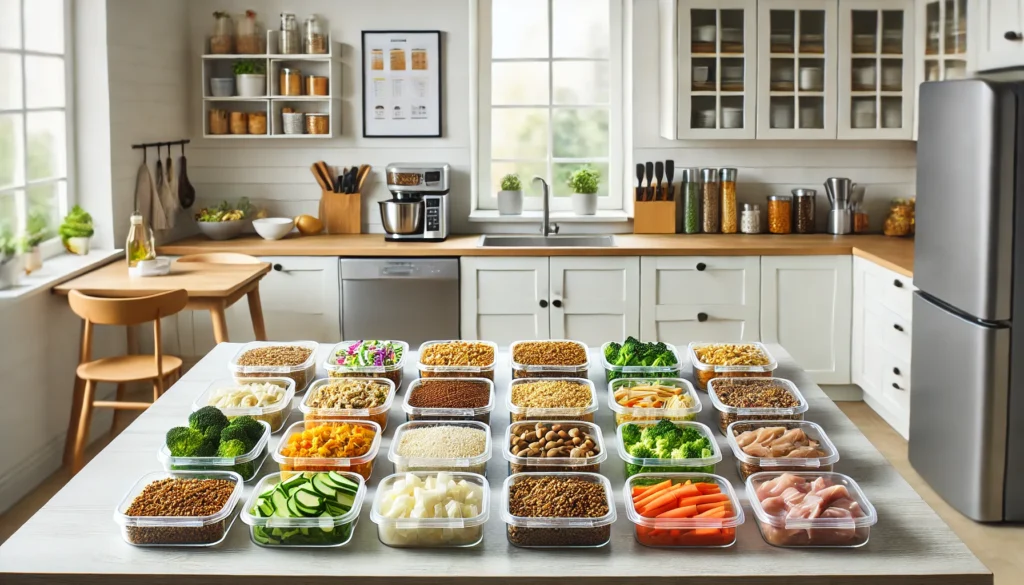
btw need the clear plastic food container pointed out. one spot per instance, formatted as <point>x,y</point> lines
<point>635,465</point>
<point>845,521</point>
<point>703,372</point>
<point>431,532</point>
<point>274,415</point>
<point>698,527</point>
<point>377,414</point>
<point>524,370</point>
<point>476,371</point>
<point>747,465</point>
<point>519,463</point>
<point>393,372</point>
<point>324,531</point>
<point>624,414</point>
<point>482,414</point>
<point>521,413</point>
<point>302,373</point>
<point>177,530</point>
<point>247,465</point>
<point>555,531</point>
<point>730,414</point>
<point>406,463</point>
<point>361,464</point>
<point>613,372</point>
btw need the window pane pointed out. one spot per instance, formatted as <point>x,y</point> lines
<point>44,26</point>
<point>560,187</point>
<point>8,211</point>
<point>581,28</point>
<point>10,24</point>
<point>519,84</point>
<point>526,171</point>
<point>45,82</point>
<point>519,29</point>
<point>12,159</point>
<point>44,205</point>
<point>582,82</point>
<point>519,133</point>
<point>580,133</point>
<point>10,74</point>
<point>47,150</point>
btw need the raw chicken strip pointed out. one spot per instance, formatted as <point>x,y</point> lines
<point>848,504</point>
<point>774,506</point>
<point>805,453</point>
<point>791,436</point>
<point>778,485</point>
<point>831,494</point>
<point>793,496</point>
<point>810,507</point>
<point>757,451</point>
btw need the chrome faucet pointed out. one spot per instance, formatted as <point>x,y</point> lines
<point>546,227</point>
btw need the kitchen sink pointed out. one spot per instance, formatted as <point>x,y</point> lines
<point>489,241</point>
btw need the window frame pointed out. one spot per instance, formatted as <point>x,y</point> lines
<point>485,195</point>
<point>52,246</point>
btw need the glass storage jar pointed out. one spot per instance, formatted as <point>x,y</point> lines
<point>289,81</point>
<point>860,219</point>
<point>751,221</point>
<point>222,41</point>
<point>288,41</point>
<point>314,42</point>
<point>727,178</point>
<point>780,212</point>
<point>803,210</point>
<point>691,201</point>
<point>248,38</point>
<point>901,218</point>
<point>709,201</point>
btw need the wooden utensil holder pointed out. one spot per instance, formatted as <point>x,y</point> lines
<point>341,213</point>
<point>655,217</point>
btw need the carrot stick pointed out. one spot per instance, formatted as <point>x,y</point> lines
<point>653,512</point>
<point>716,513</point>
<point>713,505</point>
<point>705,499</point>
<point>648,497</point>
<point>669,497</point>
<point>706,532</point>
<point>649,490</point>
<point>709,488</point>
<point>679,512</point>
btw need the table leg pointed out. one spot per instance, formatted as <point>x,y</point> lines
<point>256,314</point>
<point>220,323</point>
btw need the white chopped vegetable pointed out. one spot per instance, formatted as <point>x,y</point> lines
<point>256,395</point>
<point>437,496</point>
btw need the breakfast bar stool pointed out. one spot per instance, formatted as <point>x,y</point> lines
<point>157,368</point>
<point>220,324</point>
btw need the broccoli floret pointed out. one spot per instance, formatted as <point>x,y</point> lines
<point>630,434</point>
<point>209,447</point>
<point>691,434</point>
<point>232,448</point>
<point>663,447</point>
<point>207,417</point>
<point>640,451</point>
<point>651,434</point>
<point>611,352</point>
<point>252,427</point>
<point>185,442</point>
<point>233,433</point>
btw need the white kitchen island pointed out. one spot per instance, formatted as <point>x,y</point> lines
<point>73,538</point>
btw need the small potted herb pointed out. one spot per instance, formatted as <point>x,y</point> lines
<point>584,183</point>
<point>36,232</point>
<point>76,231</point>
<point>250,78</point>
<point>510,198</point>
<point>10,259</point>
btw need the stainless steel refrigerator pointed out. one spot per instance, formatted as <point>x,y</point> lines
<point>967,396</point>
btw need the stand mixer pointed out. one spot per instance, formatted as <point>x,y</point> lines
<point>418,210</point>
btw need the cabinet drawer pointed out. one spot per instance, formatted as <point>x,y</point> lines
<point>706,281</point>
<point>890,290</point>
<point>896,385</point>
<point>894,332</point>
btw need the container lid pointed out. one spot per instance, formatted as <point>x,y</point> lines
<point>331,364</point>
<point>709,175</point>
<point>326,522</point>
<point>305,408</point>
<point>726,174</point>
<point>165,457</point>
<point>287,383</point>
<point>555,412</point>
<point>533,368</point>
<point>812,430</point>
<point>645,412</point>
<point>683,523</point>
<point>556,521</point>
<point>309,363</point>
<point>869,518</point>
<point>652,370</point>
<point>595,432</point>
<point>716,453</point>
<point>698,364</point>
<point>690,175</point>
<point>442,462</point>
<point>417,523</point>
<point>714,383</point>
<point>300,426</point>
<point>780,198</point>
<point>428,368</point>
<point>123,519</point>
<point>804,193</point>
<point>448,412</point>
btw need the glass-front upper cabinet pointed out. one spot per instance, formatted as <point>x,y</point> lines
<point>876,71</point>
<point>797,51</point>
<point>941,44</point>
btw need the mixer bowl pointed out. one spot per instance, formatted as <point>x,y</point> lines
<point>401,217</point>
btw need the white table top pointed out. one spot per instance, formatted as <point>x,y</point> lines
<point>73,538</point>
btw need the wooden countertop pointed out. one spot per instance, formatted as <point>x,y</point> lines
<point>893,253</point>
<point>74,539</point>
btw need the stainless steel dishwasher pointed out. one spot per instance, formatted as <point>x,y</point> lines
<point>412,300</point>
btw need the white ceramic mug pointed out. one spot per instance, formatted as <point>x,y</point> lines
<point>810,78</point>
<point>782,116</point>
<point>732,117</point>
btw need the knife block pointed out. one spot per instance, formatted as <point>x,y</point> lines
<point>654,217</point>
<point>341,213</point>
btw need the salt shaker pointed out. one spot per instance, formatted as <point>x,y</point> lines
<point>750,222</point>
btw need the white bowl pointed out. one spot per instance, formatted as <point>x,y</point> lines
<point>273,228</point>
<point>222,230</point>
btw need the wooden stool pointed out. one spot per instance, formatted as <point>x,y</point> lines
<point>119,370</point>
<point>220,324</point>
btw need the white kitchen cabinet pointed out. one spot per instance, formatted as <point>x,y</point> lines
<point>797,63</point>
<point>595,299</point>
<point>695,298</point>
<point>997,34</point>
<point>806,308</point>
<point>504,299</point>
<point>940,43</point>
<point>876,69</point>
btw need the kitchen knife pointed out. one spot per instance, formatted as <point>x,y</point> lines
<point>659,173</point>
<point>649,167</point>
<point>670,171</point>
<point>339,182</point>
<point>639,181</point>
<point>350,179</point>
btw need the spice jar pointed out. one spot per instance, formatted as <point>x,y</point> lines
<point>803,210</point>
<point>318,124</point>
<point>691,200</point>
<point>780,211</point>
<point>239,123</point>
<point>901,218</point>
<point>727,177</point>
<point>751,221</point>
<point>316,85</point>
<point>860,219</point>
<point>222,41</point>
<point>218,122</point>
<point>290,81</point>
<point>314,41</point>
<point>709,201</point>
<point>288,40</point>
<point>258,123</point>
<point>248,38</point>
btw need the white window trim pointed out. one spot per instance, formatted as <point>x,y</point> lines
<point>483,196</point>
<point>51,247</point>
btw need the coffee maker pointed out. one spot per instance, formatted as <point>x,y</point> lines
<point>418,210</point>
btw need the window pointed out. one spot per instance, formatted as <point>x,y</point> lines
<point>550,96</point>
<point>34,118</point>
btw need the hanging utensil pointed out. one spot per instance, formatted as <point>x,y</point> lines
<point>168,190</point>
<point>186,192</point>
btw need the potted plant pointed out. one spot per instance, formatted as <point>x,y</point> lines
<point>76,231</point>
<point>36,232</point>
<point>584,183</point>
<point>10,259</point>
<point>251,78</point>
<point>510,198</point>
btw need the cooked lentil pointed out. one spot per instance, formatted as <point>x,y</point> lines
<point>275,355</point>
<point>349,394</point>
<point>458,353</point>
<point>439,393</point>
<point>754,394</point>
<point>442,442</point>
<point>549,353</point>
<point>551,394</point>
<point>180,497</point>
<point>554,497</point>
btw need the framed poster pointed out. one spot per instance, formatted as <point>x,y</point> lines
<point>401,83</point>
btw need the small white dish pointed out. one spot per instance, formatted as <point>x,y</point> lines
<point>732,117</point>
<point>700,73</point>
<point>273,228</point>
<point>704,33</point>
<point>158,266</point>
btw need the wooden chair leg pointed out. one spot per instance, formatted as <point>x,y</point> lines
<point>156,390</point>
<point>85,420</point>
<point>70,442</point>
<point>116,424</point>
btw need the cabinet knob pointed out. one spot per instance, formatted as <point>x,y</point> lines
<point>557,303</point>
<point>896,371</point>
<point>702,317</point>
<point>896,386</point>
<point>897,283</point>
<point>897,327</point>
<point>701,266</point>
<point>278,267</point>
<point>1013,35</point>
<point>543,304</point>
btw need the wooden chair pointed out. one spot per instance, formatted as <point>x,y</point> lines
<point>121,370</point>
<point>220,325</point>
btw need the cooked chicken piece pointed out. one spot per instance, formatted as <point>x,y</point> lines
<point>792,436</point>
